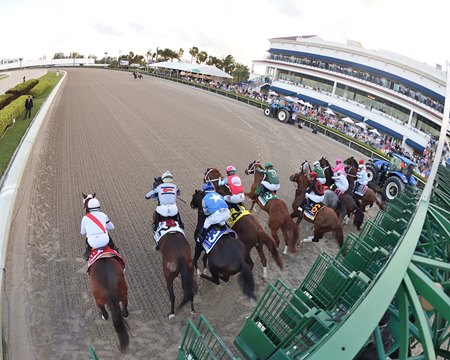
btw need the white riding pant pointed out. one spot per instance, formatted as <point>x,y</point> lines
<point>314,197</point>
<point>362,182</point>
<point>343,188</point>
<point>322,180</point>
<point>99,240</point>
<point>235,199</point>
<point>221,216</point>
<point>167,210</point>
<point>269,186</point>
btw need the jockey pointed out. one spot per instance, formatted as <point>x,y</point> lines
<point>320,173</point>
<point>167,194</point>
<point>341,182</point>
<point>215,207</point>
<point>339,166</point>
<point>95,226</point>
<point>315,190</point>
<point>270,181</point>
<point>363,179</point>
<point>234,183</point>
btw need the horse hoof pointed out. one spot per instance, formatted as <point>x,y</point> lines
<point>125,314</point>
<point>285,251</point>
<point>193,314</point>
<point>171,316</point>
<point>104,317</point>
<point>308,239</point>
<point>264,272</point>
<point>199,273</point>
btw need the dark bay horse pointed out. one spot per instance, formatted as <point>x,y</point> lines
<point>226,258</point>
<point>370,196</point>
<point>177,259</point>
<point>326,219</point>
<point>279,217</point>
<point>109,287</point>
<point>248,229</point>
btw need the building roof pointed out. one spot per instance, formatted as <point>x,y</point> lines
<point>193,68</point>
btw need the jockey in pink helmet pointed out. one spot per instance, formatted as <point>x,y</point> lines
<point>234,183</point>
<point>339,166</point>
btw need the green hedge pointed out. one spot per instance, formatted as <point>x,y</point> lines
<point>39,89</point>
<point>5,99</point>
<point>23,88</point>
<point>10,112</point>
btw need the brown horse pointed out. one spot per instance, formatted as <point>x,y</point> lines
<point>370,196</point>
<point>226,258</point>
<point>109,287</point>
<point>177,259</point>
<point>279,217</point>
<point>326,219</point>
<point>248,229</point>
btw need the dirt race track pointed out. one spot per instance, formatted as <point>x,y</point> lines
<point>111,134</point>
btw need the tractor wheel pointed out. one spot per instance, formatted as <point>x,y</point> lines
<point>267,111</point>
<point>371,172</point>
<point>392,187</point>
<point>283,116</point>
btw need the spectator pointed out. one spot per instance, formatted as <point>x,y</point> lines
<point>28,107</point>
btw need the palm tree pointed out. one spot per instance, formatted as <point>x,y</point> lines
<point>212,60</point>
<point>228,64</point>
<point>201,57</point>
<point>180,53</point>
<point>193,51</point>
<point>148,55</point>
<point>241,72</point>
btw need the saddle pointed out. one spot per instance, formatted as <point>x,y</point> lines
<point>265,197</point>
<point>166,226</point>
<point>104,252</point>
<point>213,235</point>
<point>236,215</point>
<point>361,190</point>
<point>310,210</point>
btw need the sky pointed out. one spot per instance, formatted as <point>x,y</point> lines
<point>31,29</point>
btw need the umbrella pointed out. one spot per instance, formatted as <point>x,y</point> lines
<point>375,132</point>
<point>273,93</point>
<point>288,98</point>
<point>308,104</point>
<point>348,120</point>
<point>361,125</point>
<point>301,102</point>
<point>329,111</point>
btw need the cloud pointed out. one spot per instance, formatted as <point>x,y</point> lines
<point>139,28</point>
<point>106,29</point>
<point>287,8</point>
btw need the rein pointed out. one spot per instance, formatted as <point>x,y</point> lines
<point>208,178</point>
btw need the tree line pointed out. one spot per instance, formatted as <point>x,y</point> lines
<point>240,72</point>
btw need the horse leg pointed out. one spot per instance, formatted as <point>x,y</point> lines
<point>197,253</point>
<point>103,312</point>
<point>214,275</point>
<point>124,301</point>
<point>262,257</point>
<point>169,282</point>
<point>318,234</point>
<point>248,258</point>
<point>286,240</point>
<point>253,204</point>
<point>224,278</point>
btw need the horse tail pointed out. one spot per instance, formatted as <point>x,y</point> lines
<point>339,234</point>
<point>187,281</point>
<point>359,215</point>
<point>341,210</point>
<point>120,324</point>
<point>270,244</point>
<point>246,281</point>
<point>293,233</point>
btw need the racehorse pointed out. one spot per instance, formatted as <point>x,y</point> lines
<point>279,217</point>
<point>226,258</point>
<point>248,229</point>
<point>370,196</point>
<point>177,259</point>
<point>109,287</point>
<point>325,220</point>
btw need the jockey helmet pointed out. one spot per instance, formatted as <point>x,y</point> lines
<point>316,163</point>
<point>313,174</point>
<point>268,165</point>
<point>338,160</point>
<point>208,187</point>
<point>167,177</point>
<point>361,161</point>
<point>231,170</point>
<point>93,204</point>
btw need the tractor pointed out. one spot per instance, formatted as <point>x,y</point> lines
<point>282,111</point>
<point>391,176</point>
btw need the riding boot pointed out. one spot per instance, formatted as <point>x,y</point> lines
<point>303,203</point>
<point>237,207</point>
<point>88,251</point>
<point>111,244</point>
<point>155,221</point>
<point>202,234</point>
<point>180,223</point>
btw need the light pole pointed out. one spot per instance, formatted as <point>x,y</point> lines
<point>106,54</point>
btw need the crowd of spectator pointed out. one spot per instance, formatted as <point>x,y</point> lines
<point>363,75</point>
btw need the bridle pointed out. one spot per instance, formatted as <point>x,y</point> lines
<point>207,178</point>
<point>251,170</point>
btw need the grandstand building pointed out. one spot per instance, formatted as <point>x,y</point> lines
<point>399,96</point>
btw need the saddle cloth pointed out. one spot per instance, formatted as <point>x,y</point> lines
<point>311,211</point>
<point>265,197</point>
<point>213,236</point>
<point>104,252</point>
<point>361,190</point>
<point>165,227</point>
<point>236,215</point>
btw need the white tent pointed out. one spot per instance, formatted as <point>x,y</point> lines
<point>375,132</point>
<point>301,101</point>
<point>329,111</point>
<point>273,93</point>
<point>361,125</point>
<point>308,104</point>
<point>348,120</point>
<point>193,68</point>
